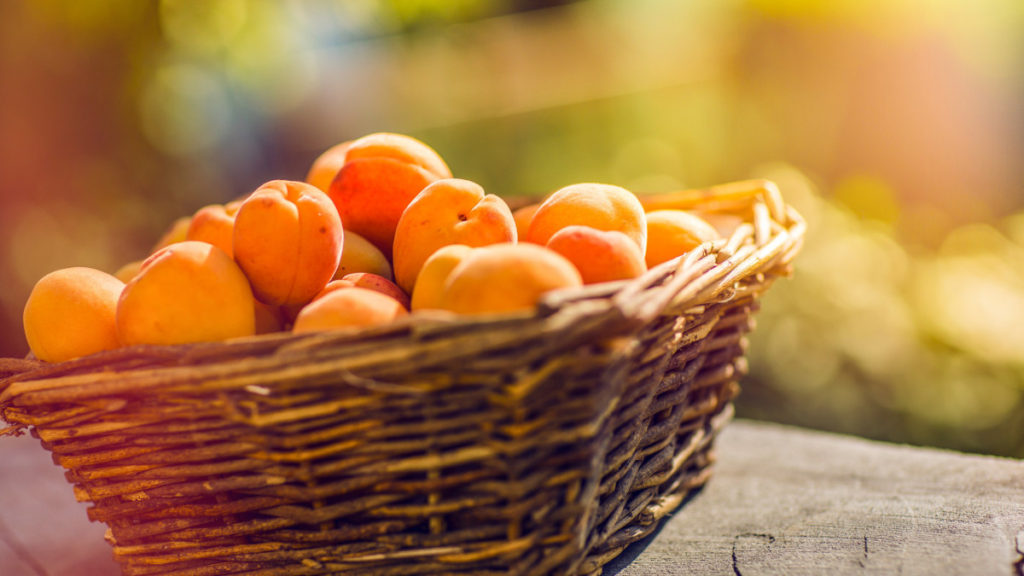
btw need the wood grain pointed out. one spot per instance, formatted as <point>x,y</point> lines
<point>789,501</point>
<point>43,530</point>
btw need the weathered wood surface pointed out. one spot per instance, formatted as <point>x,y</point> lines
<point>792,502</point>
<point>782,501</point>
<point>43,530</point>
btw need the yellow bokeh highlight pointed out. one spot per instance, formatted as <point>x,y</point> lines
<point>868,197</point>
<point>274,66</point>
<point>204,27</point>
<point>90,19</point>
<point>184,110</point>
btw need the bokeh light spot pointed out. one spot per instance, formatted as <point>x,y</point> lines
<point>975,304</point>
<point>868,197</point>
<point>202,27</point>
<point>274,66</point>
<point>184,110</point>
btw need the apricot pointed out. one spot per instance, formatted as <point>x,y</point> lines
<point>288,240</point>
<point>268,318</point>
<point>362,280</point>
<point>523,216</point>
<point>723,223</point>
<point>378,284</point>
<point>506,278</point>
<point>128,271</point>
<point>399,147</point>
<point>291,311</point>
<point>599,255</point>
<point>332,286</point>
<point>326,166</point>
<point>359,255</point>
<point>671,233</point>
<point>174,234</point>
<point>600,206</point>
<point>215,224</point>
<point>350,307</point>
<point>432,277</point>
<point>187,292</point>
<point>381,175</point>
<point>449,211</point>
<point>71,313</point>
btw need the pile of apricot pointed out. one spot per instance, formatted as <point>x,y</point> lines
<point>379,229</point>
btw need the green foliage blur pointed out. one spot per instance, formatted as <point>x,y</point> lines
<point>896,128</point>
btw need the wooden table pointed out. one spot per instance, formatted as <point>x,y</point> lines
<point>782,501</point>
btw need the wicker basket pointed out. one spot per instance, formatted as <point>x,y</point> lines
<point>540,443</point>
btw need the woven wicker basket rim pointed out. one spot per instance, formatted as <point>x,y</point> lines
<point>713,272</point>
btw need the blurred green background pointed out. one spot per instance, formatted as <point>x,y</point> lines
<point>896,128</point>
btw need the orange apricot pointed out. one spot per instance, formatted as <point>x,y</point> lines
<point>378,284</point>
<point>128,271</point>
<point>599,255</point>
<point>369,282</point>
<point>215,224</point>
<point>723,223</point>
<point>523,216</point>
<point>449,211</point>
<point>187,292</point>
<point>506,278</point>
<point>350,307</point>
<point>288,240</point>
<point>174,234</point>
<point>268,318</point>
<point>334,285</point>
<point>326,166</point>
<point>600,206</point>
<point>71,313</point>
<point>359,255</point>
<point>432,277</point>
<point>381,175</point>
<point>402,148</point>
<point>672,233</point>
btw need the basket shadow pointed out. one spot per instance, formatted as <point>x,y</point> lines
<point>634,550</point>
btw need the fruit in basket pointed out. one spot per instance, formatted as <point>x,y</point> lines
<point>174,234</point>
<point>326,166</point>
<point>449,211</point>
<point>506,278</point>
<point>348,307</point>
<point>288,241</point>
<point>331,287</point>
<point>599,255</point>
<point>128,271</point>
<point>215,224</point>
<point>381,175</point>
<point>399,147</point>
<point>71,313</point>
<point>383,214</point>
<point>671,233</point>
<point>431,280</point>
<point>268,318</point>
<point>359,255</point>
<point>187,292</point>
<point>725,224</point>
<point>523,216</point>
<point>378,284</point>
<point>600,206</point>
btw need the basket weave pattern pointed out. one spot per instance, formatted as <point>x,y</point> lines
<point>537,443</point>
